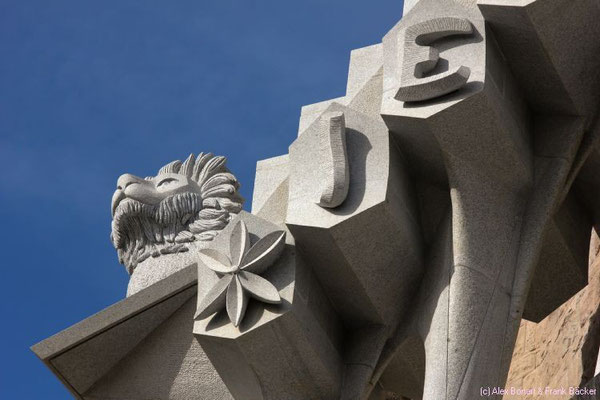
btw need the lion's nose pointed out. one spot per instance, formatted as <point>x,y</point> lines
<point>126,180</point>
<point>123,182</point>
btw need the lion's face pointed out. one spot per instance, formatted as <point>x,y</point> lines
<point>183,203</point>
<point>153,190</point>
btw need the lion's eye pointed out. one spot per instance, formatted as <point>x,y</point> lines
<point>166,181</point>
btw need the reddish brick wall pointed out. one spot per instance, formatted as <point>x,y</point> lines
<point>561,351</point>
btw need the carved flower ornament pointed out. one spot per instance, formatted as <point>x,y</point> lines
<point>240,273</point>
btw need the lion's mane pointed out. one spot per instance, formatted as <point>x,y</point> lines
<point>141,230</point>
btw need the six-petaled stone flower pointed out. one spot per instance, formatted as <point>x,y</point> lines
<point>240,273</point>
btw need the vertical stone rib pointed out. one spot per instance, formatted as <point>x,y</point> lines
<point>335,169</point>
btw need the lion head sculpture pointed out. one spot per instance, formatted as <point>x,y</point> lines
<point>183,203</point>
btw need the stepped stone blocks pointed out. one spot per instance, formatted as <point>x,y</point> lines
<point>369,279</point>
<point>426,236</point>
<point>347,244</point>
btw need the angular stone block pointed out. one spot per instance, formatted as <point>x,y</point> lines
<point>409,363</point>
<point>270,174</point>
<point>291,350</point>
<point>408,5</point>
<point>94,357</point>
<point>366,252</point>
<point>311,112</point>
<point>587,185</point>
<point>560,39</point>
<point>364,64</point>
<point>562,270</point>
<point>484,122</point>
<point>168,364</point>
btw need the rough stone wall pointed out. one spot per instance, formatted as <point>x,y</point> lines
<point>561,351</point>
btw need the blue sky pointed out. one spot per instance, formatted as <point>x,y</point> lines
<point>90,90</point>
